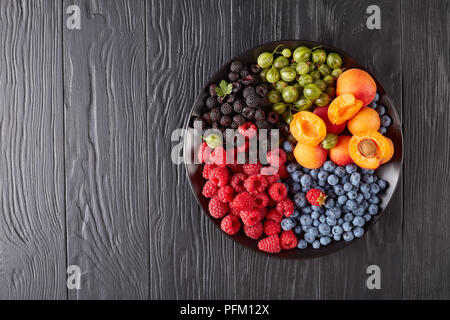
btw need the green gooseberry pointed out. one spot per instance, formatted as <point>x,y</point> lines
<point>320,84</point>
<point>302,68</point>
<point>319,56</point>
<point>330,141</point>
<point>336,73</point>
<point>265,60</point>
<point>273,75</point>
<point>286,53</point>
<point>305,79</point>
<point>322,100</point>
<point>315,74</point>
<point>290,94</point>
<point>279,107</point>
<point>324,69</point>
<point>301,54</point>
<point>280,85</point>
<point>262,75</point>
<point>273,96</point>
<point>280,62</point>
<point>331,92</point>
<point>303,104</point>
<point>287,117</point>
<point>334,60</point>
<point>288,74</point>
<point>311,91</point>
<point>329,80</point>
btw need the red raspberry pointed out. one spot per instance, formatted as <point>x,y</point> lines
<point>262,213</point>
<point>254,232</point>
<point>207,168</point>
<point>261,200</point>
<point>244,201</point>
<point>255,183</point>
<point>250,168</point>
<point>316,197</point>
<point>219,176</point>
<point>271,175</point>
<point>248,130</point>
<point>230,224</point>
<point>288,240</point>
<point>271,227</point>
<point>234,211</point>
<point>277,191</point>
<point>219,157</point>
<point>217,208</point>
<point>226,194</point>
<point>276,157</point>
<point>282,172</point>
<point>209,189</point>
<point>204,153</point>
<point>270,244</point>
<point>286,207</point>
<point>235,168</point>
<point>237,182</point>
<point>272,203</point>
<point>244,147</point>
<point>274,215</point>
<point>250,217</point>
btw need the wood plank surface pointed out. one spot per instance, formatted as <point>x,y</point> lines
<point>32,221</point>
<point>426,69</point>
<point>106,140</point>
<point>343,24</point>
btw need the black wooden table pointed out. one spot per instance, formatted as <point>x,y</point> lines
<point>86,118</point>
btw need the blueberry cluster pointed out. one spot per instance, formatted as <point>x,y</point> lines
<point>386,120</point>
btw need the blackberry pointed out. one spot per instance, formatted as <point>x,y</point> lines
<point>255,68</point>
<point>262,90</point>
<point>216,125</point>
<point>231,98</point>
<point>249,80</point>
<point>284,129</point>
<point>236,66</point>
<point>262,124</point>
<point>211,102</point>
<point>226,109</point>
<point>239,120</point>
<point>273,117</point>
<point>207,117</point>
<point>244,72</point>
<point>248,91</point>
<point>212,90</point>
<point>253,101</point>
<point>234,125</point>
<point>199,122</point>
<point>249,113</point>
<point>238,106</point>
<point>237,86</point>
<point>215,114</point>
<point>260,114</point>
<point>225,121</point>
<point>233,76</point>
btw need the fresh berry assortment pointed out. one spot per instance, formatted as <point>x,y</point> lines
<point>320,185</point>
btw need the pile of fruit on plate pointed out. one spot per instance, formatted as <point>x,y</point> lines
<point>319,183</point>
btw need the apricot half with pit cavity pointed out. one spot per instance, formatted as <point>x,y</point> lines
<point>308,128</point>
<point>370,149</point>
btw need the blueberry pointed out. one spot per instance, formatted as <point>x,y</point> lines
<point>333,180</point>
<point>368,178</point>
<point>306,180</point>
<point>325,241</point>
<point>348,236</point>
<point>373,105</point>
<point>339,190</point>
<point>365,188</point>
<point>286,185</point>
<point>377,97</point>
<point>322,176</point>
<point>316,244</point>
<point>348,186</point>
<point>324,228</point>
<point>307,210</point>
<point>352,195</point>
<point>315,208</point>
<point>316,223</point>
<point>365,204</point>
<point>348,217</point>
<point>288,224</point>
<point>298,229</point>
<point>355,178</point>
<point>374,188</point>
<point>358,221</point>
<point>340,221</point>
<point>306,228</point>
<point>288,146</point>
<point>373,209</point>
<point>335,213</point>
<point>374,200</point>
<point>296,176</point>
<point>314,231</point>
<point>295,187</point>
<point>329,203</point>
<point>368,171</point>
<point>351,168</point>
<point>314,173</point>
<point>331,221</point>
<point>342,199</point>
<point>306,220</point>
<point>351,204</point>
<point>332,193</point>
<point>337,237</point>
<point>347,226</point>
<point>367,195</point>
<point>302,244</point>
<point>309,237</point>
<point>386,121</point>
<point>367,217</point>
<point>381,110</point>
<point>359,211</point>
<point>291,167</point>
<point>315,215</point>
<point>382,130</point>
<point>306,189</point>
<point>358,232</point>
<point>322,183</point>
<point>322,219</point>
<point>306,170</point>
<point>359,198</point>
<point>382,184</point>
<point>337,230</point>
<point>329,166</point>
<point>345,179</point>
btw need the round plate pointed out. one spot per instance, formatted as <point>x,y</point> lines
<point>389,172</point>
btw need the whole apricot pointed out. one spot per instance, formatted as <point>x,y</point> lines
<point>366,119</point>
<point>359,83</point>
<point>311,157</point>
<point>339,154</point>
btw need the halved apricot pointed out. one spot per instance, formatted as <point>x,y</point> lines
<point>389,154</point>
<point>344,108</point>
<point>366,119</point>
<point>310,157</point>
<point>308,128</point>
<point>369,149</point>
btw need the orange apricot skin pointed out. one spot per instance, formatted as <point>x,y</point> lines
<point>339,153</point>
<point>308,128</point>
<point>311,157</point>
<point>383,149</point>
<point>343,108</point>
<point>366,119</point>
<point>390,154</point>
<point>358,82</point>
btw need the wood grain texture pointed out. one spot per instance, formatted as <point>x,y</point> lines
<point>106,158</point>
<point>32,222</point>
<point>343,25</point>
<point>187,41</point>
<point>426,47</point>
<point>254,23</point>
